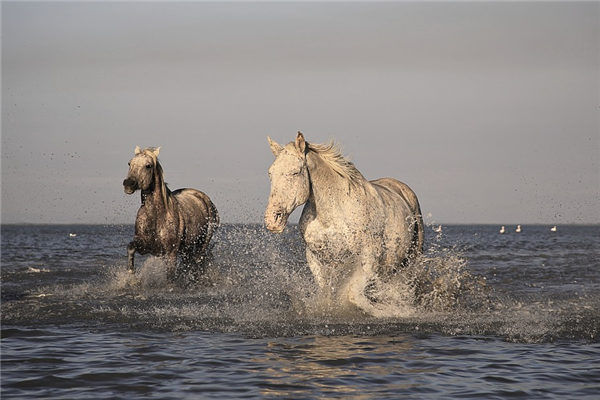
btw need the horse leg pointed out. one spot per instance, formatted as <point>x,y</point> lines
<point>130,256</point>
<point>316,268</point>
<point>195,267</point>
<point>358,283</point>
<point>191,264</point>
<point>200,261</point>
<point>171,261</point>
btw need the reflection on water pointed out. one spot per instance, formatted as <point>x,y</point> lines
<point>327,364</point>
<point>75,363</point>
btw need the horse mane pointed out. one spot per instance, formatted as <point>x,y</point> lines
<point>331,154</point>
<point>160,180</point>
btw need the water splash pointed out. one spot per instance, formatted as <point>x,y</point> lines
<point>34,270</point>
<point>150,275</point>
<point>254,277</point>
<point>260,285</point>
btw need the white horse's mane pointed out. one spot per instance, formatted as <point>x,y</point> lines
<point>331,154</point>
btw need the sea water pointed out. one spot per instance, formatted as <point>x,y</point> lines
<point>480,315</point>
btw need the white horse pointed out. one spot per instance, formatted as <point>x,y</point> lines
<point>353,228</point>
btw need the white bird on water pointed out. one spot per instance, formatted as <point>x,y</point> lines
<point>502,230</point>
<point>553,229</point>
<point>438,229</point>
<point>518,230</point>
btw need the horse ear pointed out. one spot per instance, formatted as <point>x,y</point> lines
<point>275,147</point>
<point>300,143</point>
<point>156,150</point>
<point>137,150</point>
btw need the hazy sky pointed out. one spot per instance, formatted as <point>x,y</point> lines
<point>489,111</point>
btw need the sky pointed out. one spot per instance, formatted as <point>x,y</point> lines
<point>489,111</point>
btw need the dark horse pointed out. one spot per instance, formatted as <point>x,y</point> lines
<point>174,225</point>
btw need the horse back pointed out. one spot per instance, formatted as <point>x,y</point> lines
<point>198,212</point>
<point>411,200</point>
<point>402,189</point>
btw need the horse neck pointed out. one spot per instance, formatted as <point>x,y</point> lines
<point>328,190</point>
<point>158,196</point>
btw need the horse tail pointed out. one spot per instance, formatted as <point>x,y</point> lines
<point>214,221</point>
<point>418,229</point>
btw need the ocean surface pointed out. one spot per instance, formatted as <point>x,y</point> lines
<point>481,315</point>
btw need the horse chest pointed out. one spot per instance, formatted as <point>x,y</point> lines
<point>158,235</point>
<point>330,244</point>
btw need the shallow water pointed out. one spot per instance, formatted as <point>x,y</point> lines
<point>484,315</point>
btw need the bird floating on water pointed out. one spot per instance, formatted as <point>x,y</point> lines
<point>553,229</point>
<point>72,234</point>
<point>518,230</point>
<point>502,230</point>
<point>438,229</point>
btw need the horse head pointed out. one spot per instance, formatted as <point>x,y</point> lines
<point>290,182</point>
<point>141,170</point>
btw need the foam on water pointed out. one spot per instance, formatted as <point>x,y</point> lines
<point>259,284</point>
<point>34,270</point>
<point>151,275</point>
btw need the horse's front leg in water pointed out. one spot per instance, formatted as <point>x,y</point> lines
<point>130,256</point>
<point>171,262</point>
<point>358,282</point>
<point>317,269</point>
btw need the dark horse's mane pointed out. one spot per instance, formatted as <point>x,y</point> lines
<point>159,180</point>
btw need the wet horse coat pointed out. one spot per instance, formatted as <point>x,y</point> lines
<point>176,225</point>
<point>353,228</point>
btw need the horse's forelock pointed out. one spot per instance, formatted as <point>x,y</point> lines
<point>150,152</point>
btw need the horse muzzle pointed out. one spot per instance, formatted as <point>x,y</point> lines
<point>130,185</point>
<point>275,222</point>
